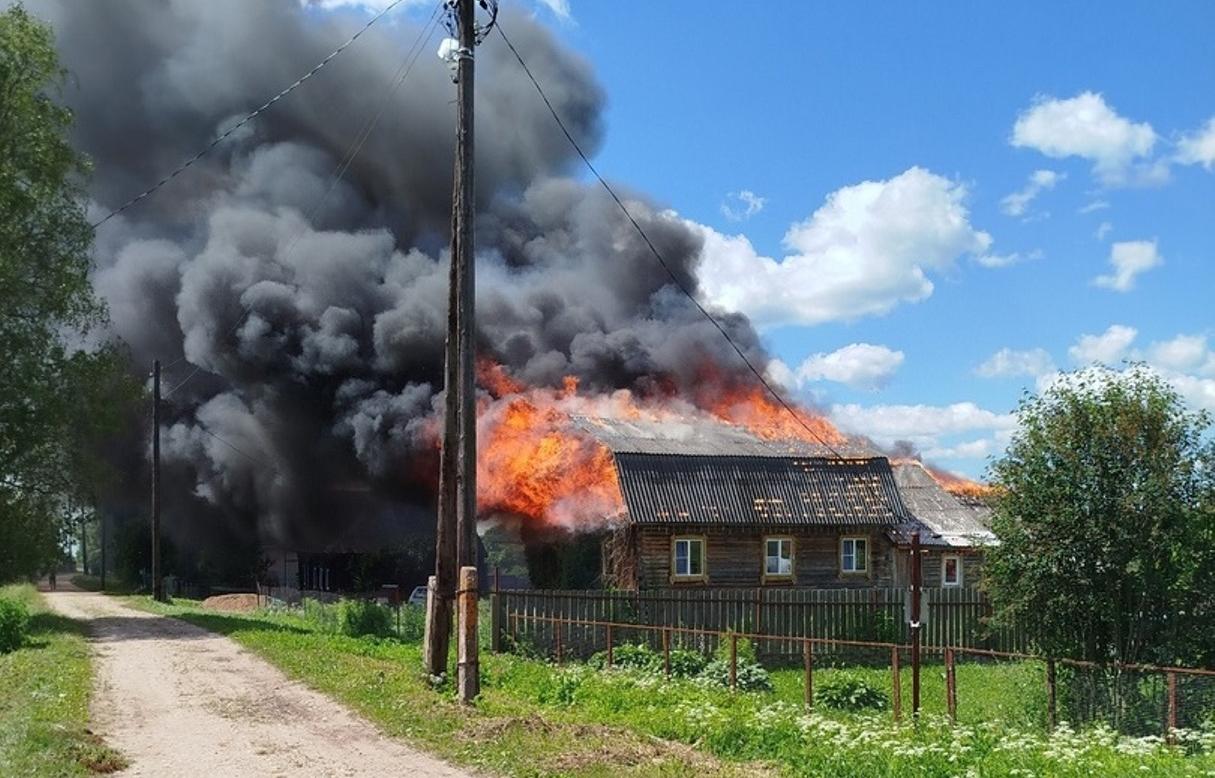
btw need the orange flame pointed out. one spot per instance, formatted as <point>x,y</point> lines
<point>958,486</point>
<point>535,463</point>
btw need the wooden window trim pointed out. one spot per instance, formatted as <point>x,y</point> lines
<point>839,557</point>
<point>763,560</point>
<point>961,576</point>
<point>701,577</point>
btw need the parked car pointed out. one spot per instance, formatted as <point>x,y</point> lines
<point>417,596</point>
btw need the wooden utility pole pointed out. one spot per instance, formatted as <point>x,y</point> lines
<point>915,624</point>
<point>455,544</point>
<point>157,582</point>
<point>104,524</point>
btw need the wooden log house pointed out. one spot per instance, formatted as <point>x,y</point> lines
<point>710,505</point>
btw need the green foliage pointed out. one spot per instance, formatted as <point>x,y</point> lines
<point>686,663</point>
<point>1105,511</point>
<point>847,691</point>
<point>358,618</point>
<point>749,676</point>
<point>536,719</point>
<point>14,624</point>
<point>44,699</point>
<point>56,403</point>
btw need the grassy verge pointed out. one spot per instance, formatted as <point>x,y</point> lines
<point>44,700</point>
<point>536,719</point>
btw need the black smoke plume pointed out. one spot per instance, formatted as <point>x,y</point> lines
<point>318,341</point>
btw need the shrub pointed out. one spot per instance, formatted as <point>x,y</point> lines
<point>750,676</point>
<point>686,663</point>
<point>14,624</point>
<point>362,617</point>
<point>846,691</point>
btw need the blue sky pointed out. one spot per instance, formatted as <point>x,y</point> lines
<point>1041,190</point>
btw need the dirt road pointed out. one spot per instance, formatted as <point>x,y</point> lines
<point>177,700</point>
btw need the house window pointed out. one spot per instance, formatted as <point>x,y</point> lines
<point>689,556</point>
<point>854,555</point>
<point>778,557</point>
<point>951,571</point>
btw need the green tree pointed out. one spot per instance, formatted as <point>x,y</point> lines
<point>57,396</point>
<point>1105,517</point>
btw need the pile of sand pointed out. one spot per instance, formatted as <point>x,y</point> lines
<point>232,603</point>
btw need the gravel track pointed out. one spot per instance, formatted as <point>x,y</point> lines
<point>178,700</point>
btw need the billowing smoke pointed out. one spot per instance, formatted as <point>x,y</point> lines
<point>318,334</point>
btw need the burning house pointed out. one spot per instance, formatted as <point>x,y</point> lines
<point>956,527</point>
<point>704,503</point>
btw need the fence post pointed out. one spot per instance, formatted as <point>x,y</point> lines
<point>557,637</point>
<point>610,654</point>
<point>896,689</point>
<point>495,617</point>
<point>1052,713</point>
<point>1170,723</point>
<point>808,661</point>
<point>468,665</point>
<point>666,653</point>
<point>951,686</point>
<point>733,660</point>
<point>915,624</point>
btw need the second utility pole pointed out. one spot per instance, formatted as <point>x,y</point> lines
<point>456,529</point>
<point>158,591</point>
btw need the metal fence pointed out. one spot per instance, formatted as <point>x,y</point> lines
<point>950,616</point>
<point>963,682</point>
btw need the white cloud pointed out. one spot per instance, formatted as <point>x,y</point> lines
<point>1007,363</point>
<point>888,423</point>
<point>1102,230</point>
<point>859,365</point>
<point>1198,147</point>
<point>933,429</point>
<point>1108,347</point>
<point>972,449</point>
<point>560,8</point>
<point>1095,205</point>
<point>868,248</point>
<point>1018,202</point>
<point>1004,260</point>
<point>1085,126</point>
<point>1129,259</point>
<point>742,205</point>
<point>1182,353</point>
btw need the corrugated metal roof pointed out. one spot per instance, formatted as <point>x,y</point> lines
<point>954,523</point>
<point>699,437</point>
<point>720,489</point>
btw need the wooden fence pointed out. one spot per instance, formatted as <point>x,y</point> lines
<point>950,617</point>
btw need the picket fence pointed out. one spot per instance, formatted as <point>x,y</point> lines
<point>950,617</point>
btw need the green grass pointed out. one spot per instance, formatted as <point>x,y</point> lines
<point>44,700</point>
<point>536,719</point>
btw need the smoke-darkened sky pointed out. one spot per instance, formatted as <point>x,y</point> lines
<point>318,333</point>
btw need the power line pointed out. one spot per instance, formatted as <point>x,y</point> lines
<point>658,255</point>
<point>406,67</point>
<point>248,118</point>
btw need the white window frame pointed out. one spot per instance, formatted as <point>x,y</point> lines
<point>689,575</point>
<point>853,539</point>
<point>957,558</point>
<point>782,540</point>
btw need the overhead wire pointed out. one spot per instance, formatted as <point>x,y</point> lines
<point>248,118</point>
<point>658,255</point>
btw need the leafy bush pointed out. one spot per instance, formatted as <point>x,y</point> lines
<point>14,624</point>
<point>846,691</point>
<point>363,617</point>
<point>686,663</point>
<point>749,677</point>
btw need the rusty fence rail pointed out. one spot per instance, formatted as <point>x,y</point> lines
<point>1137,699</point>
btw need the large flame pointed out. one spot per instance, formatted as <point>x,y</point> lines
<point>534,462</point>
